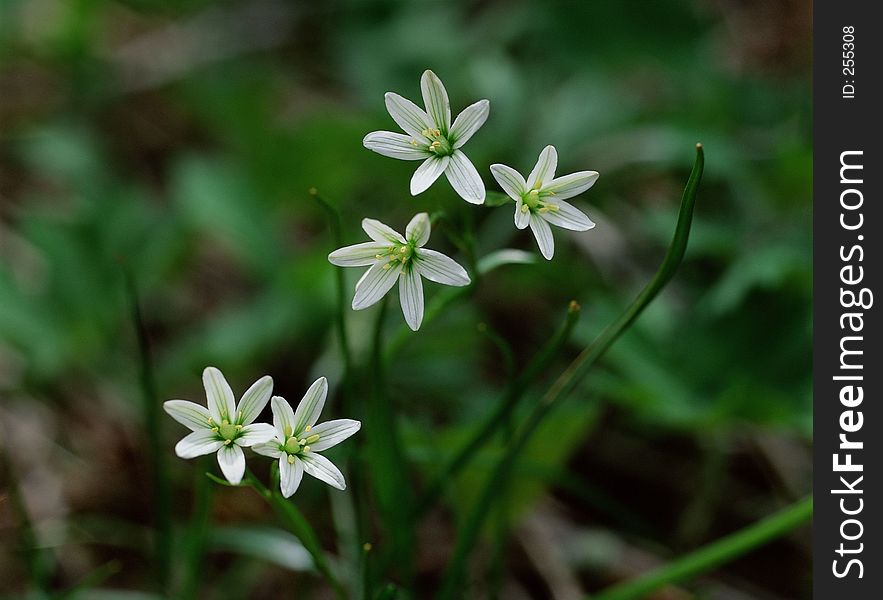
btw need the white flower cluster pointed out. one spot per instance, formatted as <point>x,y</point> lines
<point>431,137</point>
<point>294,438</point>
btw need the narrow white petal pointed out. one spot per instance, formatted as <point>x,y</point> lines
<point>522,217</point>
<point>290,475</point>
<point>407,115</point>
<point>439,268</point>
<point>417,231</point>
<point>465,179</point>
<point>270,448</point>
<point>381,232</point>
<point>357,255</point>
<point>221,403</point>
<point>332,433</point>
<point>544,170</point>
<point>567,216</point>
<point>323,469</point>
<point>435,97</point>
<point>569,186</point>
<point>283,418</point>
<point>427,173</point>
<point>543,233</point>
<point>374,284</point>
<point>468,122</point>
<point>191,415</point>
<point>198,443</point>
<point>510,180</point>
<point>231,459</point>
<point>256,433</point>
<point>411,297</point>
<point>310,407</point>
<point>254,400</point>
<point>396,145</point>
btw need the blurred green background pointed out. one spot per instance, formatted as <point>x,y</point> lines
<point>178,140</point>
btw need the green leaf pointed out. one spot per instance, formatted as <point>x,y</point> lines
<point>496,199</point>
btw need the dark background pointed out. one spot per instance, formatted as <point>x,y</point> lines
<point>178,140</point>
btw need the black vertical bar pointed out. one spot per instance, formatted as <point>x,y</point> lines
<point>847,226</point>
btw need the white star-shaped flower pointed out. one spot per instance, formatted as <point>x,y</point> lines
<point>393,257</point>
<point>539,201</point>
<point>433,139</point>
<point>224,427</point>
<point>298,439</point>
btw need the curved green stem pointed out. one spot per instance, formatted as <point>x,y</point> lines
<point>504,408</point>
<point>715,554</point>
<point>571,377</point>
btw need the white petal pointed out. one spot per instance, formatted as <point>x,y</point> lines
<point>198,443</point>
<point>468,122</point>
<point>418,229</point>
<point>411,297</point>
<point>543,233</point>
<point>357,255</point>
<point>290,475</point>
<point>310,406</point>
<point>396,145</point>
<point>464,178</point>
<point>567,216</point>
<point>522,217</point>
<point>270,448</point>
<point>544,170</point>
<point>191,415</point>
<point>256,433</point>
<point>435,97</point>
<point>323,469</point>
<point>254,400</point>
<point>374,284</point>
<point>569,186</point>
<point>427,173</point>
<point>332,433</point>
<point>407,115</point>
<point>381,232</point>
<point>231,459</point>
<point>221,403</point>
<point>439,268</point>
<point>510,180</point>
<point>283,418</point>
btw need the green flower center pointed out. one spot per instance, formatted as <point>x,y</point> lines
<point>535,201</point>
<point>398,256</point>
<point>439,144</point>
<point>295,445</point>
<point>226,431</point>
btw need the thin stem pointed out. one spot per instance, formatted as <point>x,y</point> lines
<point>197,529</point>
<point>503,409</point>
<point>39,562</point>
<point>300,527</point>
<point>715,554</point>
<point>150,406</point>
<point>571,377</point>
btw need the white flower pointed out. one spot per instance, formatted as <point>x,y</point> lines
<point>433,139</point>
<point>298,439</point>
<point>224,427</point>
<point>393,257</point>
<point>540,200</point>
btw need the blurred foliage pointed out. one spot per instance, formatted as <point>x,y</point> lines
<point>179,139</point>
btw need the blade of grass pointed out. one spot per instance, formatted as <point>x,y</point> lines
<point>197,532</point>
<point>159,475</point>
<point>506,405</point>
<point>715,554</point>
<point>570,378</point>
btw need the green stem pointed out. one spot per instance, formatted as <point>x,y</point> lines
<point>715,554</point>
<point>197,530</point>
<point>571,377</point>
<point>300,527</point>
<point>160,481</point>
<point>504,408</point>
